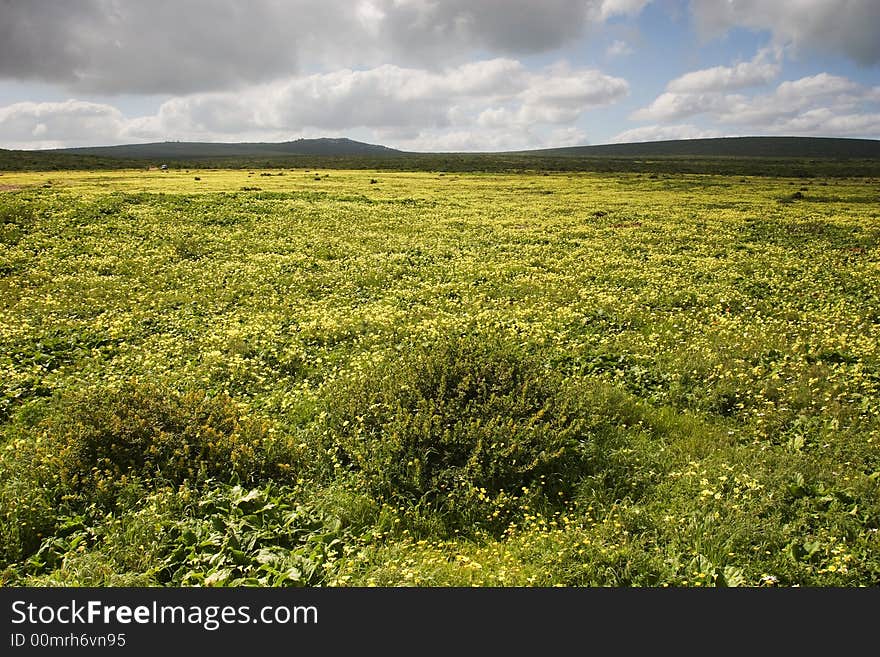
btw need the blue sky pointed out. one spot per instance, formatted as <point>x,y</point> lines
<point>444,75</point>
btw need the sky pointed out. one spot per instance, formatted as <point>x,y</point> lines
<point>435,75</point>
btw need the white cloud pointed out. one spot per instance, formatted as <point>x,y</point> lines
<point>699,92</point>
<point>814,86</point>
<point>557,98</point>
<point>820,104</point>
<point>670,106</point>
<point>50,124</point>
<point>664,133</point>
<point>618,49</point>
<point>168,46</point>
<point>462,140</point>
<point>610,8</point>
<point>569,136</point>
<point>760,70</point>
<point>494,139</point>
<point>847,27</point>
<point>404,104</point>
<point>823,121</point>
<point>390,96</point>
<point>562,95</point>
<point>793,97</point>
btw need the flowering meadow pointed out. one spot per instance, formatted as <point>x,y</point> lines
<point>356,378</point>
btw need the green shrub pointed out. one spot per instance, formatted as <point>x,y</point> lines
<point>465,426</point>
<point>154,434</point>
<point>98,444</point>
<point>16,220</point>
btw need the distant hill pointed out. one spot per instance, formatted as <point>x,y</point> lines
<point>776,147</point>
<point>762,156</point>
<point>182,150</point>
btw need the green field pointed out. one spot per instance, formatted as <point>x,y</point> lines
<point>338,378</point>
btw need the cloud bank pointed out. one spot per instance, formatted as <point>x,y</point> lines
<point>816,105</point>
<point>844,27</point>
<point>497,102</point>
<point>168,46</point>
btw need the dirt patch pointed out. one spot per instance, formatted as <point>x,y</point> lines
<point>10,188</point>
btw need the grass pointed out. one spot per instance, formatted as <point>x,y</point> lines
<point>411,378</point>
<point>803,158</point>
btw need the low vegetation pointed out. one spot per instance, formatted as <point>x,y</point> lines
<point>801,157</point>
<point>375,377</point>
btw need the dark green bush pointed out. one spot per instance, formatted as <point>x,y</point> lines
<point>155,434</point>
<point>17,218</point>
<point>96,445</point>
<point>464,426</point>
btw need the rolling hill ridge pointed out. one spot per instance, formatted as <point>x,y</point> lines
<point>779,156</point>
<point>774,147</point>
<point>178,150</point>
<point>797,147</point>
